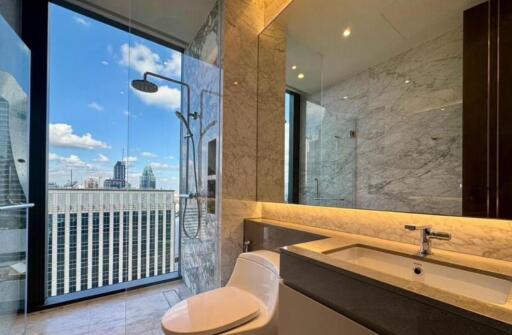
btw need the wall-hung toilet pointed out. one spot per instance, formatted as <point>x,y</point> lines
<point>246,305</point>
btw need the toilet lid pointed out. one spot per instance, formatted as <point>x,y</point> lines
<point>211,312</point>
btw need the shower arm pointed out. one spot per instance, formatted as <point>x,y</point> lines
<point>179,82</point>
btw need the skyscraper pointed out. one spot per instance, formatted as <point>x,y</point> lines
<point>120,170</point>
<point>147,180</point>
<point>119,180</point>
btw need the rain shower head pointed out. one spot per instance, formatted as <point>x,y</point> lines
<point>144,85</point>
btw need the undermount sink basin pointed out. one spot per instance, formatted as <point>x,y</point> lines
<point>483,287</point>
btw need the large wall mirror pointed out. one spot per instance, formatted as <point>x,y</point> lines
<point>392,105</point>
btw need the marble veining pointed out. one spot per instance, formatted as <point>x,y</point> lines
<point>405,152</point>
<point>243,21</point>
<point>489,238</point>
<point>201,70</point>
<point>271,125</point>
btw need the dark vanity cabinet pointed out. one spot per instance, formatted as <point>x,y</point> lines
<point>487,110</point>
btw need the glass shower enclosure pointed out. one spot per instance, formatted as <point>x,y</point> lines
<point>14,141</point>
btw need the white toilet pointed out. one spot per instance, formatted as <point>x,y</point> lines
<point>246,305</point>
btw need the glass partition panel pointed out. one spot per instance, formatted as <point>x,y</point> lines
<point>14,117</point>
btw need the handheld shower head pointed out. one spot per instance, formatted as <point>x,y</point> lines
<point>184,121</point>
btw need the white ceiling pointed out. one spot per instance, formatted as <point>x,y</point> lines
<point>380,29</point>
<point>176,21</point>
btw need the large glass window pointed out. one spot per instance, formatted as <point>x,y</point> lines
<point>113,156</point>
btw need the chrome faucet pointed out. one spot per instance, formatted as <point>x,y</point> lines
<point>427,235</point>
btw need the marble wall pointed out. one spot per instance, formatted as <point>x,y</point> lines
<point>243,21</point>
<point>271,125</point>
<point>406,154</point>
<point>481,237</point>
<point>201,70</point>
<point>272,8</point>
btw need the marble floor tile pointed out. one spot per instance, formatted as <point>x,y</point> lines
<point>135,311</point>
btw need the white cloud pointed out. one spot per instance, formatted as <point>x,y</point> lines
<point>131,159</point>
<point>159,166</point>
<point>73,161</point>
<point>171,157</point>
<point>102,158</point>
<point>96,106</point>
<point>148,154</point>
<point>162,166</point>
<point>81,21</point>
<point>61,135</point>
<point>104,62</point>
<point>165,97</point>
<point>142,59</point>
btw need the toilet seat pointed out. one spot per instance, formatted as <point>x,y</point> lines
<point>228,308</point>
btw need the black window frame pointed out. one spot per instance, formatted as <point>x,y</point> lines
<point>34,32</point>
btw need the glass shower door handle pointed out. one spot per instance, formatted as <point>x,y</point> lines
<point>16,206</point>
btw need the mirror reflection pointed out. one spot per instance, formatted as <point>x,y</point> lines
<point>374,112</point>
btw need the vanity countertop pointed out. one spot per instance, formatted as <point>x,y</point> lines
<point>335,240</point>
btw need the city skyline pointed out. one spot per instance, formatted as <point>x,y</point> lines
<point>138,128</point>
<point>147,181</point>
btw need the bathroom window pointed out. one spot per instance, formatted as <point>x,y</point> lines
<point>113,157</point>
<point>291,146</point>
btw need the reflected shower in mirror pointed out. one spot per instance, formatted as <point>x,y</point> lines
<point>388,109</point>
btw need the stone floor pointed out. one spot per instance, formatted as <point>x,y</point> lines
<point>132,312</point>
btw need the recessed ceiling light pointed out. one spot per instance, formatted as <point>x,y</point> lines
<point>345,98</point>
<point>347,32</point>
<point>294,67</point>
<point>442,109</point>
<point>236,82</point>
<point>300,76</point>
<point>407,81</point>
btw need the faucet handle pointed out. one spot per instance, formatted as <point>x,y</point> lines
<point>413,227</point>
<point>439,235</point>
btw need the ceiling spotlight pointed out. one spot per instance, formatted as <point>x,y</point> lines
<point>407,81</point>
<point>345,98</point>
<point>235,82</point>
<point>294,67</point>
<point>442,109</point>
<point>347,32</point>
<point>300,76</point>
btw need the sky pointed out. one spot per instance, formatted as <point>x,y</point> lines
<point>96,118</point>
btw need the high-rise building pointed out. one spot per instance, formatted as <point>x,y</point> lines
<point>120,170</point>
<point>102,237</point>
<point>119,178</point>
<point>147,180</point>
<point>11,190</point>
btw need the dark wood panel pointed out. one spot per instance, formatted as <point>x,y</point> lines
<point>504,181</point>
<point>269,237</point>
<point>380,307</point>
<point>475,112</point>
